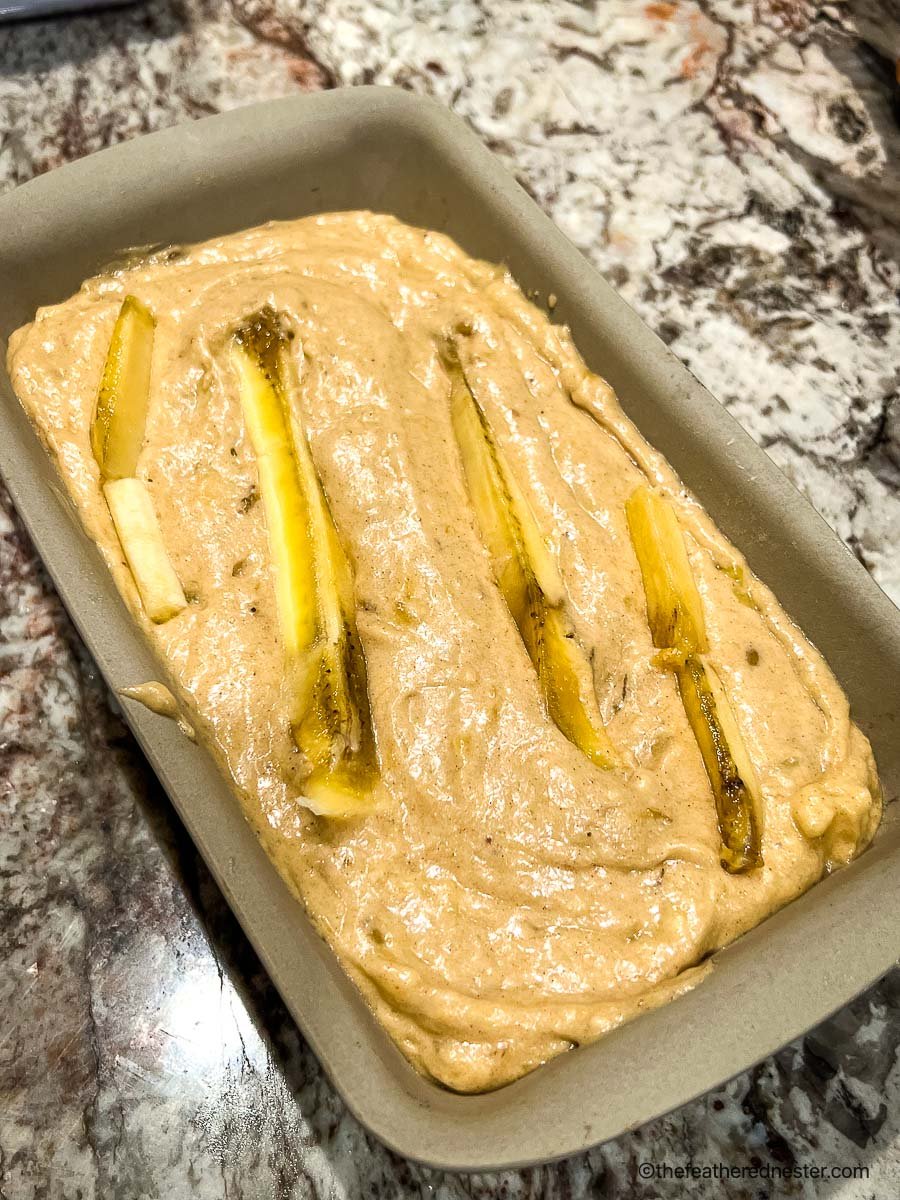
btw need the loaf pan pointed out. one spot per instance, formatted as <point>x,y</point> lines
<point>389,151</point>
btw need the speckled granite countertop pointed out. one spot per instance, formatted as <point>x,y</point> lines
<point>733,168</point>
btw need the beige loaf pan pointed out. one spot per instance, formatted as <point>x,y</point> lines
<point>389,151</point>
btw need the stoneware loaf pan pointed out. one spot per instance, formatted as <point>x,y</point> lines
<point>389,151</point>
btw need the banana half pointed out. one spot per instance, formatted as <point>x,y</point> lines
<point>117,435</point>
<point>526,574</point>
<point>678,628</point>
<point>326,670</point>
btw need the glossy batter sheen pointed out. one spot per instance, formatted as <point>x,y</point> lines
<point>508,899</point>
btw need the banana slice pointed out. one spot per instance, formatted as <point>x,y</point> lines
<point>120,414</point>
<point>675,616</point>
<point>727,763</point>
<point>254,353</point>
<point>527,575</point>
<point>330,720</point>
<point>117,434</point>
<point>134,517</point>
<point>674,609</point>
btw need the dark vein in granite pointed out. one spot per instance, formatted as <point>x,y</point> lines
<point>261,18</point>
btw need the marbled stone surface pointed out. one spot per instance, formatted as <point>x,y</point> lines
<point>733,167</point>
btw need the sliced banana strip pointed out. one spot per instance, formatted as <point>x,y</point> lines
<point>117,435</point>
<point>678,628</point>
<point>526,574</point>
<point>330,717</point>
